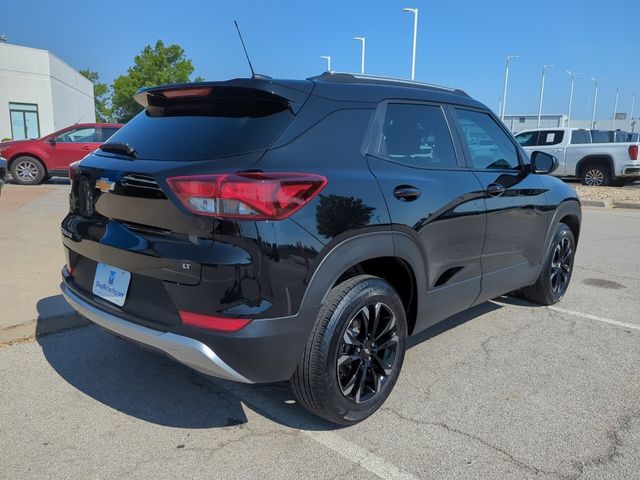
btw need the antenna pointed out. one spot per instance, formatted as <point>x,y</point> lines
<point>253,73</point>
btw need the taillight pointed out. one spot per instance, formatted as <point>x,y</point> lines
<point>633,152</point>
<point>221,324</point>
<point>73,170</point>
<point>250,196</point>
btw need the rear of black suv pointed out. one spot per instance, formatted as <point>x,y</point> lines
<point>264,230</point>
<point>193,230</point>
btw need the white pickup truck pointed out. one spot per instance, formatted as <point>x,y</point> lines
<point>580,156</point>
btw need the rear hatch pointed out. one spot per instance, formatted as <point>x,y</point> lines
<point>122,211</point>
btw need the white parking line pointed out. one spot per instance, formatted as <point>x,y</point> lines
<point>596,318</point>
<point>351,451</point>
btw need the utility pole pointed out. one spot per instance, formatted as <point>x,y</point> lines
<point>573,76</point>
<point>328,59</point>
<point>503,108</point>
<point>415,39</point>
<point>544,71</point>
<point>363,40</point>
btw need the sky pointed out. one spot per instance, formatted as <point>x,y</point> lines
<point>461,44</point>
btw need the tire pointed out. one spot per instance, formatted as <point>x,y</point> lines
<point>328,381</point>
<point>595,175</point>
<point>556,272</point>
<point>27,171</point>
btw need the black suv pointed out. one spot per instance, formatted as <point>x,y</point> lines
<point>264,230</point>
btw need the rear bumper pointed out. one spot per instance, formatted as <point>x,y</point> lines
<point>185,350</point>
<point>266,350</point>
<point>631,171</point>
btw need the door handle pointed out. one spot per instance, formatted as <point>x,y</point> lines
<point>406,193</point>
<point>88,148</point>
<point>495,189</point>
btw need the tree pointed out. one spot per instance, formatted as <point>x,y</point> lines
<point>100,95</point>
<point>153,66</point>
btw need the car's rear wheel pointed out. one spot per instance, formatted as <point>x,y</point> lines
<point>596,175</point>
<point>355,352</point>
<point>27,171</point>
<point>556,273</point>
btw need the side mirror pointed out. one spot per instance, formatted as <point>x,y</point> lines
<point>543,163</point>
<point>52,141</point>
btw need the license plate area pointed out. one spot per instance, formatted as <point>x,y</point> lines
<point>111,283</point>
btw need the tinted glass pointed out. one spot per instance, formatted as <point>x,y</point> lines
<point>550,137</point>
<point>78,135</point>
<point>106,133</point>
<point>490,147</point>
<point>580,136</point>
<point>601,136</point>
<point>204,129</point>
<point>417,135</point>
<point>527,139</point>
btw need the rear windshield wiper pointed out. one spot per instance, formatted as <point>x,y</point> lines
<point>122,148</point>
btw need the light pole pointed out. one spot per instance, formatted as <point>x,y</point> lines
<point>328,59</point>
<point>586,112</point>
<point>415,38</point>
<point>363,40</point>
<point>573,77</point>
<point>615,106</point>
<point>596,81</point>
<point>503,109</point>
<point>633,104</point>
<point>544,71</point>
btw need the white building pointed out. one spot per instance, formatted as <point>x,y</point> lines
<point>40,94</point>
<point>517,123</point>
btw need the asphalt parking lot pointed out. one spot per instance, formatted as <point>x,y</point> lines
<point>507,390</point>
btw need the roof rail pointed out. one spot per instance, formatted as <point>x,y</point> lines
<point>344,77</point>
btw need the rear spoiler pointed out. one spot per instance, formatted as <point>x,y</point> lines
<point>294,92</point>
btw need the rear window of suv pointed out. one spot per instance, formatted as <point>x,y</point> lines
<point>204,128</point>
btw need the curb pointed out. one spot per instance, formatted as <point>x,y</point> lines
<point>629,205</point>
<point>608,204</point>
<point>41,326</point>
<point>595,203</point>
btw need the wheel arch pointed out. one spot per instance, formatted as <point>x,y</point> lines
<point>589,159</point>
<point>393,256</point>
<point>11,160</point>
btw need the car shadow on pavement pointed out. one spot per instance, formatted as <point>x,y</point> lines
<point>153,388</point>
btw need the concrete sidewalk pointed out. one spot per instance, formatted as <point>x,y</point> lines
<point>31,258</point>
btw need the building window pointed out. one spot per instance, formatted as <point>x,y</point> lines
<point>25,123</point>
<point>522,119</point>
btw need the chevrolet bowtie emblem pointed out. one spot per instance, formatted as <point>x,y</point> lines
<point>105,185</point>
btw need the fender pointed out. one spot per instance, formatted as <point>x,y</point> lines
<point>350,251</point>
<point>606,158</point>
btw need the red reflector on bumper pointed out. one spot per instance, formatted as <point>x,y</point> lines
<point>221,324</point>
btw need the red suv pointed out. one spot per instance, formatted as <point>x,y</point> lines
<point>32,161</point>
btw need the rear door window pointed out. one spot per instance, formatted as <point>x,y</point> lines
<point>580,137</point>
<point>550,137</point>
<point>418,136</point>
<point>205,128</point>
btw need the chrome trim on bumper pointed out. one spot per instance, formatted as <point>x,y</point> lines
<point>185,350</point>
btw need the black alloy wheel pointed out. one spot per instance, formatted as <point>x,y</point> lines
<point>561,264</point>
<point>367,352</point>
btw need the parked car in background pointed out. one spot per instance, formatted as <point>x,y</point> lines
<point>33,161</point>
<point>264,230</point>
<point>3,173</point>
<point>590,155</point>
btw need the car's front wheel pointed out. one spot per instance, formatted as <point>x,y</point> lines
<point>355,352</point>
<point>556,272</point>
<point>27,171</point>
